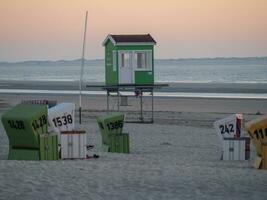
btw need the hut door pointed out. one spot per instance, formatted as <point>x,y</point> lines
<point>125,68</point>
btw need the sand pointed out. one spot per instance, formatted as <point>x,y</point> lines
<point>177,157</point>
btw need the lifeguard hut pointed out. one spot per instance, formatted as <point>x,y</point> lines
<point>129,59</point>
<point>129,72</point>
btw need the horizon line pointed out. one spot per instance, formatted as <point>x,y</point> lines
<point>189,58</point>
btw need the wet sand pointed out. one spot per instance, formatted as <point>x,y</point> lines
<point>173,87</point>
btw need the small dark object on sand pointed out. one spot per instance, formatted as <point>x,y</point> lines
<point>258,113</point>
<point>94,156</point>
<point>89,147</point>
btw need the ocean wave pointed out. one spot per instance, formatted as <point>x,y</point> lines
<point>39,79</point>
<point>230,82</point>
<point>159,81</point>
<point>157,94</point>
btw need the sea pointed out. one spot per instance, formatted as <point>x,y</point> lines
<point>250,71</point>
<point>174,71</point>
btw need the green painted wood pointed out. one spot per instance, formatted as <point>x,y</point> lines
<point>49,147</point>
<point>134,47</point>
<point>111,76</point>
<point>105,148</point>
<point>24,123</point>
<point>55,145</point>
<point>144,77</point>
<point>119,143</point>
<point>23,154</point>
<point>48,150</point>
<point>110,124</point>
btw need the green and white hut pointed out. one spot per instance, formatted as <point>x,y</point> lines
<point>129,59</point>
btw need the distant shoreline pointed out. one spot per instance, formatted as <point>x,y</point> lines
<point>200,61</point>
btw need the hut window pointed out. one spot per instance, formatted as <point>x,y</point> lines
<point>143,60</point>
<point>125,59</point>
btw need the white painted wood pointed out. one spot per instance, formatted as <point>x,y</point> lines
<point>226,150</point>
<point>227,127</point>
<point>125,67</point>
<point>236,152</point>
<point>234,149</point>
<point>127,71</point>
<point>73,145</point>
<point>61,118</point>
<point>109,37</point>
<point>64,147</point>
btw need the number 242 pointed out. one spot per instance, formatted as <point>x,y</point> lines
<point>227,128</point>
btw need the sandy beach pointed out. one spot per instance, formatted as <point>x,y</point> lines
<point>177,157</point>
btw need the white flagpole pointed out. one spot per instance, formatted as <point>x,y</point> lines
<point>82,66</point>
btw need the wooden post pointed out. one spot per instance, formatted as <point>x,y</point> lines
<point>107,101</point>
<point>152,93</point>
<point>141,104</point>
<point>82,65</point>
<point>118,99</point>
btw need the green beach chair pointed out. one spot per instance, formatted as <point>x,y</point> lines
<point>119,143</point>
<point>24,124</point>
<point>113,140</point>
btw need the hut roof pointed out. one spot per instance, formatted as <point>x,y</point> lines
<point>130,39</point>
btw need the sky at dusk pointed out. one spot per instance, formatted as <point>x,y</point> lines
<point>53,29</point>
